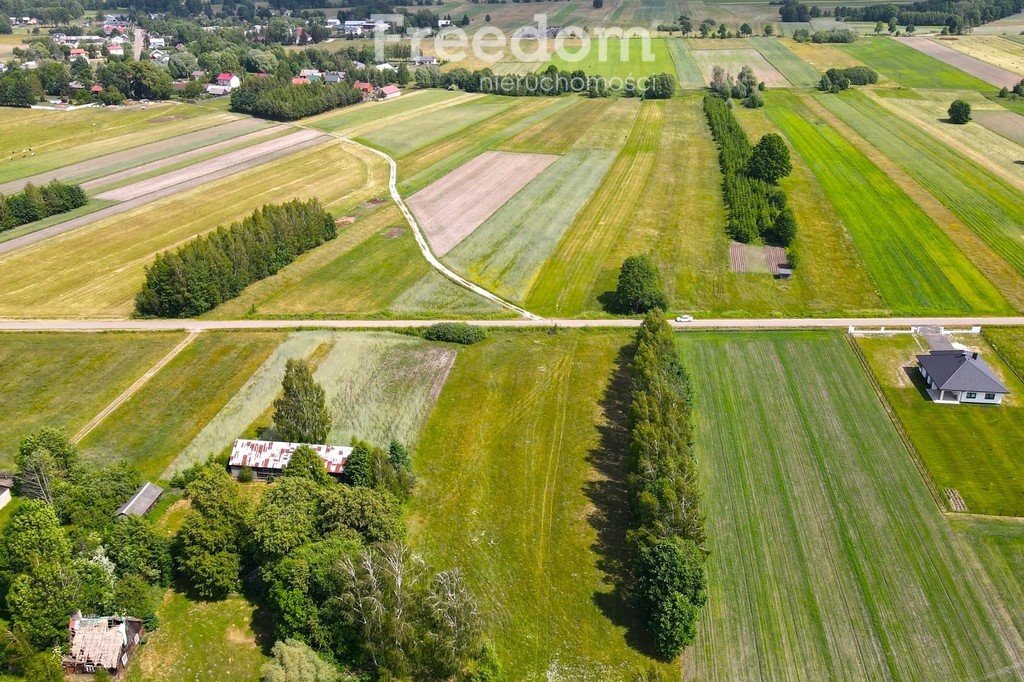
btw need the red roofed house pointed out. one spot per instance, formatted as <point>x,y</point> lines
<point>269,458</point>
<point>388,92</point>
<point>96,89</point>
<point>228,80</point>
<point>366,88</point>
<point>77,52</point>
<point>115,50</point>
<point>300,80</point>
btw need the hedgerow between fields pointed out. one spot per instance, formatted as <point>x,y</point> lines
<point>35,203</point>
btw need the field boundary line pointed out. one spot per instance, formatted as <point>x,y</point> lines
<point>969,516</point>
<point>897,424</point>
<point>134,388</point>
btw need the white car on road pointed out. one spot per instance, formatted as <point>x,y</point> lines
<point>684,318</point>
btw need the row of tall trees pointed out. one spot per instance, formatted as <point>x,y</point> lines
<point>955,16</point>
<point>668,536</point>
<point>64,550</point>
<point>757,206</point>
<point>215,268</point>
<point>35,203</point>
<point>550,82</point>
<point>281,100</point>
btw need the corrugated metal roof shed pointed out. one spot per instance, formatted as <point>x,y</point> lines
<point>142,501</point>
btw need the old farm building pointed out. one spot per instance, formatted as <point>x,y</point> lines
<point>104,642</point>
<point>268,458</point>
<point>957,376</point>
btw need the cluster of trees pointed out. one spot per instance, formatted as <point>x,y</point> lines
<point>214,268</point>
<point>832,35</point>
<point>668,534</point>
<point>639,288</point>
<point>63,550</point>
<point>835,80</point>
<point>745,87</point>
<point>1016,91</point>
<point>550,82</point>
<point>17,89</point>
<point>795,11</point>
<point>455,332</point>
<point>281,100</point>
<point>330,560</point>
<point>757,206</point>
<point>956,17</point>
<point>35,203</point>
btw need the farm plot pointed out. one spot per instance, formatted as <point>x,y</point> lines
<point>1007,124</point>
<point>454,206</point>
<point>399,139</point>
<point>973,449</point>
<point>910,68</point>
<point>995,50</point>
<point>914,265</point>
<point>616,58</point>
<point>164,416</point>
<point>380,111</point>
<point>990,73</point>
<point>525,499</point>
<point>831,560</point>
<point>558,133</point>
<point>506,252</point>
<point>687,71</point>
<point>102,264</point>
<point>822,56</point>
<point>793,68</point>
<point>998,546</point>
<point>37,141</point>
<point>64,380</point>
<point>985,203</point>
<point>734,60</point>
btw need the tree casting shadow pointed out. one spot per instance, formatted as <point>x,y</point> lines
<point>612,516</point>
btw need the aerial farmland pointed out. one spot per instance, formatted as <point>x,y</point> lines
<point>603,340</point>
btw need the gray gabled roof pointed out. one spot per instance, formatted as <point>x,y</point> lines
<point>957,370</point>
<point>142,501</point>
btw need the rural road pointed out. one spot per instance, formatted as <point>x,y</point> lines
<point>9,325</point>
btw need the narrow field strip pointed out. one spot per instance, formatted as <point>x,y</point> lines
<point>912,262</point>
<point>1008,124</point>
<point>985,203</point>
<point>990,73</point>
<point>833,561</point>
<point>454,206</point>
<point>556,134</point>
<point>910,68</point>
<point>412,101</point>
<point>508,249</point>
<point>687,70</point>
<point>995,50</point>
<point>796,70</point>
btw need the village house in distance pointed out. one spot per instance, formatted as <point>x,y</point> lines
<point>959,376</point>
<point>269,458</point>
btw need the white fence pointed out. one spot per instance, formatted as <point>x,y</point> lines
<point>976,329</point>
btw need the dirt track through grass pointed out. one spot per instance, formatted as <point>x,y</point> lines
<point>831,560</point>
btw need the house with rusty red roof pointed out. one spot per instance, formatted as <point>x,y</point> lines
<point>387,92</point>
<point>228,80</point>
<point>268,458</point>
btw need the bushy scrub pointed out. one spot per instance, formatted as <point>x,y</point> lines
<point>455,332</point>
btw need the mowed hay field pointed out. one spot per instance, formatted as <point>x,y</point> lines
<point>830,559</point>
<point>990,73</point>
<point>64,380</point>
<point>793,68</point>
<point>156,424</point>
<point>734,60</point>
<point>38,140</point>
<point>996,50</point>
<point>908,68</point>
<point>526,498</point>
<point>913,263</point>
<point>973,449</point>
<point>102,264</point>
<point>987,204</point>
<point>616,58</point>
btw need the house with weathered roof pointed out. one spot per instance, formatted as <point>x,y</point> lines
<point>142,501</point>
<point>959,376</point>
<point>106,642</point>
<point>268,458</point>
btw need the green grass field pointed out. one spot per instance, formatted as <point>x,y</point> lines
<point>404,137</point>
<point>915,266</point>
<point>987,204</point>
<point>796,70</point>
<point>64,380</point>
<point>103,264</point>
<point>909,68</point>
<point>974,449</point>
<point>507,251</point>
<point>999,548</point>
<point>687,71</point>
<point>621,59</point>
<point>523,497</point>
<point>158,422</point>
<point>829,557</point>
<point>356,116</point>
<point>559,133</point>
<point>1009,343</point>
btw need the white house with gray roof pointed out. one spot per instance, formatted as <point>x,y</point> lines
<point>959,376</point>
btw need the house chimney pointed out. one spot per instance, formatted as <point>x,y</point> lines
<point>974,355</point>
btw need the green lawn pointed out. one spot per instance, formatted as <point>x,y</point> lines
<point>525,496</point>
<point>64,380</point>
<point>404,137</point>
<point>797,71</point>
<point>156,424</point>
<point>622,59</point>
<point>829,558</point>
<point>974,449</point>
<point>984,202</point>
<point>203,641</point>
<point>1009,343</point>
<point>913,263</point>
<point>909,68</point>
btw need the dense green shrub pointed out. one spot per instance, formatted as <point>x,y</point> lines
<point>639,288</point>
<point>959,112</point>
<point>35,203</point>
<point>550,82</point>
<point>754,204</point>
<point>215,268</point>
<point>454,332</point>
<point>280,100</point>
<point>836,80</point>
